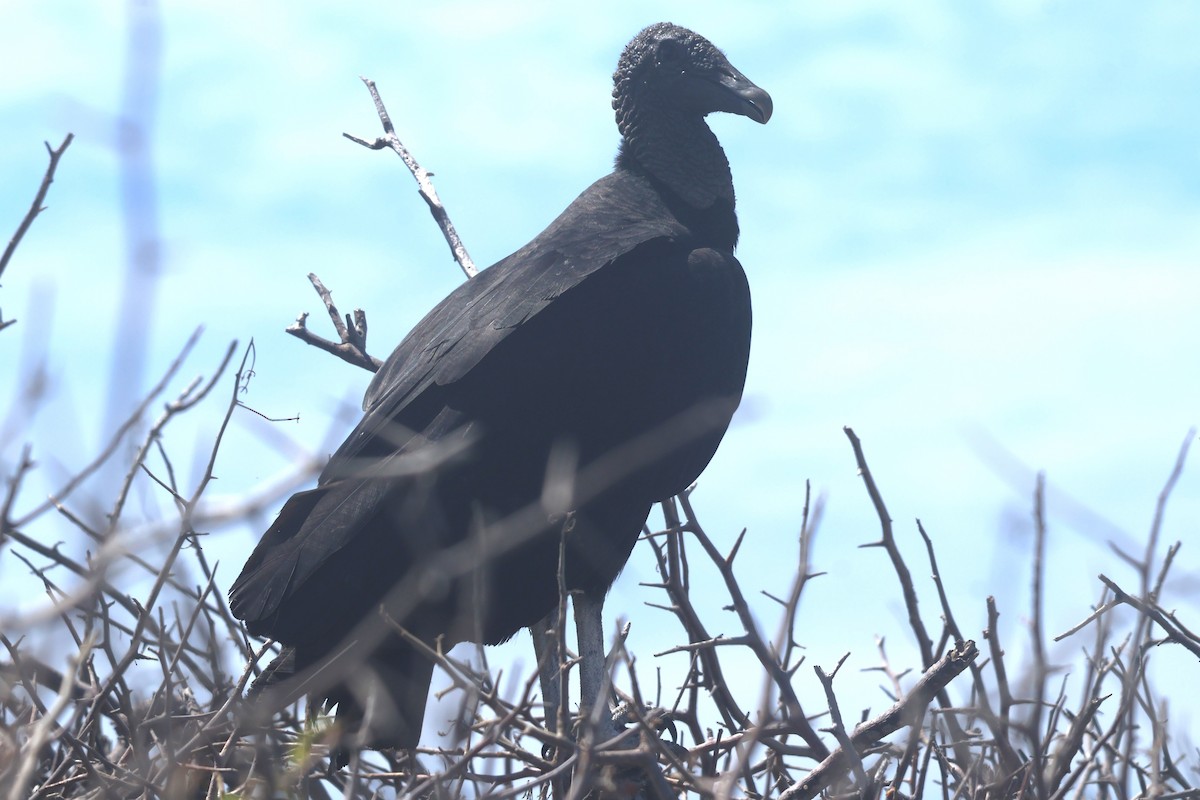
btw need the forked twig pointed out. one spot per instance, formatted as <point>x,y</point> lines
<point>428,192</point>
<point>352,333</point>
<point>906,711</point>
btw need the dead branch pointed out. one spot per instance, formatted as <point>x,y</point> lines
<point>425,185</point>
<point>1175,630</point>
<point>352,347</point>
<point>114,442</point>
<point>888,543</point>
<point>907,711</point>
<point>34,209</point>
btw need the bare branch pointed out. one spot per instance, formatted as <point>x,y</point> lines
<point>42,731</point>
<point>888,542</point>
<point>351,346</point>
<point>117,437</point>
<point>1175,631</point>
<point>34,209</point>
<point>422,175</point>
<point>907,711</point>
<point>353,333</point>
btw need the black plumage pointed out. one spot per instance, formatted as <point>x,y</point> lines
<point>593,371</point>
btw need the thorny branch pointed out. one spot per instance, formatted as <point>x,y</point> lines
<point>905,712</point>
<point>34,209</point>
<point>190,720</point>
<point>888,542</point>
<point>153,691</point>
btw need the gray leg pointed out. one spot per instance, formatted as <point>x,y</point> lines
<point>594,687</point>
<point>545,645</point>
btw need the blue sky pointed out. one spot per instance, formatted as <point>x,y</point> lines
<point>972,232</point>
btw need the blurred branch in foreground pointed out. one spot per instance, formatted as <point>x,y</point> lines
<point>36,208</point>
<point>148,699</point>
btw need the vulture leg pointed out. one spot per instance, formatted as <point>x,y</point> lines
<point>549,660</point>
<point>594,679</point>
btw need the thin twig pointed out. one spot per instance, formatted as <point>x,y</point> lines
<point>422,175</point>
<point>34,209</point>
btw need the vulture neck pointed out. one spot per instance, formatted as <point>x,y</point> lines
<point>680,152</point>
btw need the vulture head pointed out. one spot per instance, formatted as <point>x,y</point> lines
<point>668,79</point>
<point>675,69</point>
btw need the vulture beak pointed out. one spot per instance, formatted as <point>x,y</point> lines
<point>729,90</point>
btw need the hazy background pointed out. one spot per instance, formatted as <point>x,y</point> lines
<point>972,232</point>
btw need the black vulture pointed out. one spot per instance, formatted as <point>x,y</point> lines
<point>552,398</point>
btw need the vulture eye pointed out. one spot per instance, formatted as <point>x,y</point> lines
<point>670,52</point>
